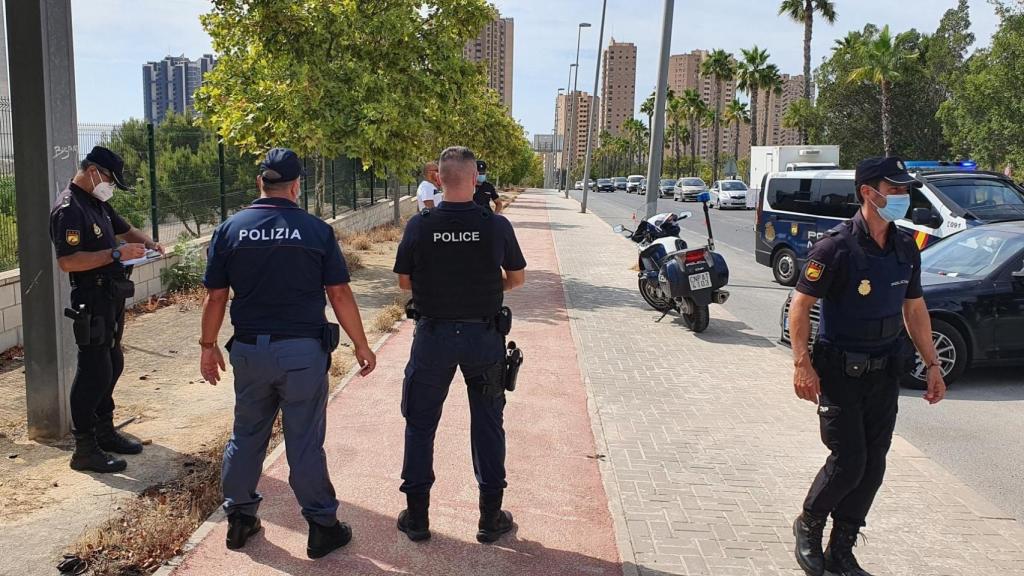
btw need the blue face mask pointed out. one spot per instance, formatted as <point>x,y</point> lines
<point>481,178</point>
<point>896,206</point>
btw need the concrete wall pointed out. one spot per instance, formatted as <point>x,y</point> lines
<point>147,278</point>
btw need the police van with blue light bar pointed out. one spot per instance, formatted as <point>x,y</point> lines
<point>795,209</point>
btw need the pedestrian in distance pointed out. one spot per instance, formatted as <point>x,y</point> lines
<point>458,260</point>
<point>93,244</point>
<point>428,194</point>
<point>279,261</point>
<point>485,192</point>
<point>867,273</point>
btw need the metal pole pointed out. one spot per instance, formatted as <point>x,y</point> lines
<point>305,189</point>
<point>334,201</point>
<point>373,186</point>
<point>223,181</point>
<point>590,111</point>
<point>565,111</point>
<point>658,130</point>
<point>355,186</point>
<point>154,206</point>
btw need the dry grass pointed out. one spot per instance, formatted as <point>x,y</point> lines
<point>385,320</point>
<point>185,300</point>
<point>359,241</point>
<point>353,260</point>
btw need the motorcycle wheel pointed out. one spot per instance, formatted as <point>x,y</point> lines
<point>650,294</point>
<point>699,320</point>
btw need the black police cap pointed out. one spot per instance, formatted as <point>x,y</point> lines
<point>108,160</point>
<point>481,166</point>
<point>888,168</point>
<point>281,165</point>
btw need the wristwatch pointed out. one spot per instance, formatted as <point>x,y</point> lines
<point>207,345</point>
<point>116,255</point>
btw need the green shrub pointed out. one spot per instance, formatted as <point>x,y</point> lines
<point>187,274</point>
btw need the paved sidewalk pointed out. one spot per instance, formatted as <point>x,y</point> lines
<point>710,452</point>
<point>555,486</point>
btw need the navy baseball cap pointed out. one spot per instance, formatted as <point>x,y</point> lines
<point>481,166</point>
<point>281,165</point>
<point>108,160</point>
<point>891,169</point>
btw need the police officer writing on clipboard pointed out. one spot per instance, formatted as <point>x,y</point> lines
<point>458,260</point>
<point>91,241</point>
<point>279,261</point>
<point>485,192</point>
<point>867,273</point>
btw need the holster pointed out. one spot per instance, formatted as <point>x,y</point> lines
<point>331,337</point>
<point>855,364</point>
<point>89,329</point>
<point>410,310</point>
<point>122,288</point>
<point>503,321</point>
<point>513,360</point>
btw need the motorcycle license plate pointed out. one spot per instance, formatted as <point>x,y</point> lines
<point>700,281</point>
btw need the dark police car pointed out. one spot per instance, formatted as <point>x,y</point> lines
<point>974,288</point>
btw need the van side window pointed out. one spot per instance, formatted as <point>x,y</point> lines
<point>791,195</point>
<point>835,199</point>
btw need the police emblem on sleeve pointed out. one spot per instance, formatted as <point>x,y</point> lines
<point>814,270</point>
<point>72,237</point>
<point>96,230</point>
<point>865,287</point>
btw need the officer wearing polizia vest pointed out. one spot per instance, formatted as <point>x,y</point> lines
<point>867,273</point>
<point>279,261</point>
<point>458,260</point>
<point>91,241</point>
<point>485,192</point>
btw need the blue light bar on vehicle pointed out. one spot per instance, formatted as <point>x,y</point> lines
<point>941,165</point>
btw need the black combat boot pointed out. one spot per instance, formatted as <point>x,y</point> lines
<point>493,520</point>
<point>808,531</point>
<point>111,440</point>
<point>240,528</point>
<point>89,457</point>
<point>414,520</point>
<point>839,558</point>
<point>326,539</point>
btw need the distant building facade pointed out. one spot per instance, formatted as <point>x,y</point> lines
<point>684,74</point>
<point>776,106</point>
<point>494,47</point>
<point>170,85</point>
<point>572,113</point>
<point>618,86</point>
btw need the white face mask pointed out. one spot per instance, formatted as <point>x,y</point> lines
<point>103,191</point>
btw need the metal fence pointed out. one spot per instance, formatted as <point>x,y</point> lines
<point>185,182</point>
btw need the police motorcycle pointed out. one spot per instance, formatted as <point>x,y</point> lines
<point>674,276</point>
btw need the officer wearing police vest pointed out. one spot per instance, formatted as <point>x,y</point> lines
<point>91,241</point>
<point>279,261</point>
<point>458,260</point>
<point>867,273</point>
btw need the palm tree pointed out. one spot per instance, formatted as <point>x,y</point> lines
<point>803,11</point>
<point>677,129</point>
<point>749,72</point>
<point>848,44</point>
<point>801,115</point>
<point>635,133</point>
<point>718,65</point>
<point>771,83</point>
<point>881,58</point>
<point>648,108</point>
<point>696,110</point>
<point>737,113</point>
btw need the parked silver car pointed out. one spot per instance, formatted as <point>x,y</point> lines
<point>687,189</point>
<point>729,194</point>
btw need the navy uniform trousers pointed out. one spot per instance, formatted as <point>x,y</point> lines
<point>438,347</point>
<point>857,417</point>
<point>290,376</point>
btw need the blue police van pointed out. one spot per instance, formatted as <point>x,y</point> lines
<point>795,209</point>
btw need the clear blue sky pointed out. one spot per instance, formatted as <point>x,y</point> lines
<point>114,38</point>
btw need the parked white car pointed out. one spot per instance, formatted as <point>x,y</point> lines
<point>578,185</point>
<point>729,194</point>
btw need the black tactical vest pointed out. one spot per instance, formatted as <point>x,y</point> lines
<point>455,273</point>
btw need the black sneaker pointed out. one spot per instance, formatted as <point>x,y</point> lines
<point>326,539</point>
<point>240,528</point>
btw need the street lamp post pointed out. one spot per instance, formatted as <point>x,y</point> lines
<point>590,111</point>
<point>575,77</point>
<point>658,128</point>
<point>565,142</point>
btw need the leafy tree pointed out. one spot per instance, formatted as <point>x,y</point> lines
<point>737,113</point>
<point>696,111</point>
<point>718,65</point>
<point>678,130</point>
<point>880,59</point>
<point>803,116</point>
<point>749,72</point>
<point>803,11</point>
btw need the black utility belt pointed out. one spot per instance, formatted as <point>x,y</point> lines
<point>329,338</point>
<point>502,320</point>
<point>855,364</point>
<point>117,285</point>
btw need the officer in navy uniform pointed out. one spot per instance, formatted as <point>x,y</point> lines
<point>867,272</point>
<point>91,241</point>
<point>279,261</point>
<point>485,192</point>
<point>458,260</point>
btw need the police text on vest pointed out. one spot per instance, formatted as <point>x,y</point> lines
<point>269,234</point>
<point>456,237</point>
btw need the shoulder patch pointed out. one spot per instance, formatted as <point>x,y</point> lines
<point>425,212</point>
<point>73,237</point>
<point>814,271</point>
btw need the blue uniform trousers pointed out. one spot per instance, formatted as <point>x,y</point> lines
<point>437,349</point>
<point>290,375</point>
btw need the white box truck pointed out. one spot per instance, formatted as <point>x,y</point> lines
<point>768,159</point>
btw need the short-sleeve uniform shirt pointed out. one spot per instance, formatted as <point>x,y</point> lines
<point>277,259</point>
<point>484,194</point>
<point>79,222</point>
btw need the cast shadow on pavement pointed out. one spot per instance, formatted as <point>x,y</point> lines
<point>983,384</point>
<point>379,549</point>
<point>729,332</point>
<point>544,226</point>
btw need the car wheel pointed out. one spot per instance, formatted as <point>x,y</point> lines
<point>952,351</point>
<point>785,268</point>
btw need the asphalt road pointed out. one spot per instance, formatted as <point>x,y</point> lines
<point>975,433</point>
